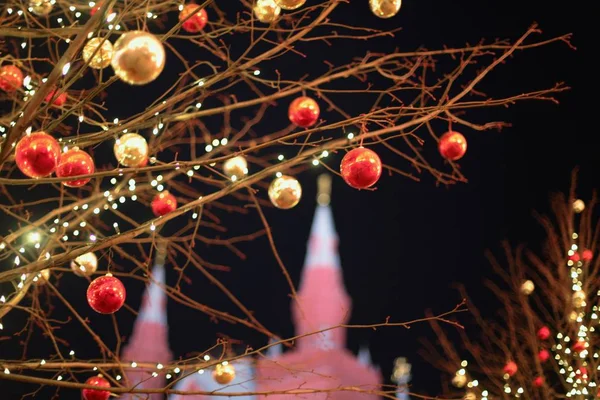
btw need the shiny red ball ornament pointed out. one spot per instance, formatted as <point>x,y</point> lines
<point>575,257</point>
<point>587,255</point>
<point>94,394</point>
<point>57,99</point>
<point>164,203</point>
<point>361,168</point>
<point>196,22</point>
<point>543,333</point>
<point>579,346</point>
<point>538,381</point>
<point>73,163</point>
<point>304,112</point>
<point>543,355</point>
<point>37,154</point>
<point>11,78</point>
<point>510,368</point>
<point>452,146</point>
<point>106,294</point>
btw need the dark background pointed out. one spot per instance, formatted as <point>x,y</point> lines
<point>405,244</point>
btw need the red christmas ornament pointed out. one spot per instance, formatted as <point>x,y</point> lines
<point>543,355</point>
<point>452,146</point>
<point>164,203</point>
<point>304,112</point>
<point>196,22</point>
<point>73,163</point>
<point>543,333</point>
<point>538,381</point>
<point>37,154</point>
<point>59,100</point>
<point>587,255</point>
<point>579,346</point>
<point>11,78</point>
<point>106,294</point>
<point>510,368</point>
<point>574,257</point>
<point>361,168</point>
<point>94,394</point>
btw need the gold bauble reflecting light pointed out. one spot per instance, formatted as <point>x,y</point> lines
<point>285,192</point>
<point>579,299</point>
<point>224,373</point>
<point>100,58</point>
<point>459,380</point>
<point>385,8</point>
<point>85,265</point>
<point>131,150</point>
<point>42,277</point>
<point>578,206</point>
<point>527,287</point>
<point>266,11</point>
<point>290,4</point>
<point>139,57</point>
<point>236,167</point>
<point>40,7</point>
<point>470,396</point>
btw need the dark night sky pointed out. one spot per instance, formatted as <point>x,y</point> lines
<point>404,245</point>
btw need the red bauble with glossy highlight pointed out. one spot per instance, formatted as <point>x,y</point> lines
<point>361,168</point>
<point>575,257</point>
<point>57,99</point>
<point>164,203</point>
<point>106,294</point>
<point>196,22</point>
<point>452,146</point>
<point>538,381</point>
<point>543,355</point>
<point>304,112</point>
<point>510,368</point>
<point>94,394</point>
<point>543,333</point>
<point>11,78</point>
<point>579,346</point>
<point>587,255</point>
<point>73,163</point>
<point>37,154</point>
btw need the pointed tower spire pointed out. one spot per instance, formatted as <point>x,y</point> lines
<point>322,300</point>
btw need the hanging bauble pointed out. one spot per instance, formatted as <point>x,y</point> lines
<point>57,99</point>
<point>85,265</point>
<point>98,52</point>
<point>573,315</point>
<point>42,277</point>
<point>11,78</point>
<point>139,57</point>
<point>575,257</point>
<point>106,294</point>
<point>75,162</point>
<point>304,112</point>
<point>266,11</point>
<point>470,396</point>
<point>224,373</point>
<point>543,355</point>
<point>236,167</point>
<point>452,146</point>
<point>285,192</point>
<point>578,206</point>
<point>95,394</point>
<point>164,203</point>
<point>538,381</point>
<point>40,7</point>
<point>131,150</point>
<point>543,333</point>
<point>580,346</point>
<point>385,8</point>
<point>587,255</point>
<point>290,4</point>
<point>361,168</point>
<point>197,21</point>
<point>510,368</point>
<point>527,287</point>
<point>37,154</point>
<point>578,299</point>
<point>459,380</point>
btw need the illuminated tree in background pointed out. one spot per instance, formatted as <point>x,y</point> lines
<point>203,144</point>
<point>544,343</point>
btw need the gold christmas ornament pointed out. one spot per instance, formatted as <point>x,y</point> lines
<point>290,4</point>
<point>85,265</point>
<point>578,206</point>
<point>285,192</point>
<point>579,299</point>
<point>266,11</point>
<point>224,373</point>
<point>385,8</point>
<point>102,57</point>
<point>459,380</point>
<point>470,396</point>
<point>42,277</point>
<point>236,167</point>
<point>40,7</point>
<point>139,57</point>
<point>527,287</point>
<point>131,150</point>
<point>573,316</point>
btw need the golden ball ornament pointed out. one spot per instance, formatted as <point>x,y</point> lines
<point>527,287</point>
<point>224,374</point>
<point>470,396</point>
<point>385,8</point>
<point>101,57</point>
<point>290,4</point>
<point>41,8</point>
<point>236,167</point>
<point>42,277</point>
<point>578,299</point>
<point>131,150</point>
<point>285,192</point>
<point>573,316</point>
<point>266,11</point>
<point>578,206</point>
<point>85,265</point>
<point>459,380</point>
<point>139,57</point>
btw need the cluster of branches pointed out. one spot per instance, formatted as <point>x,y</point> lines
<point>402,96</point>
